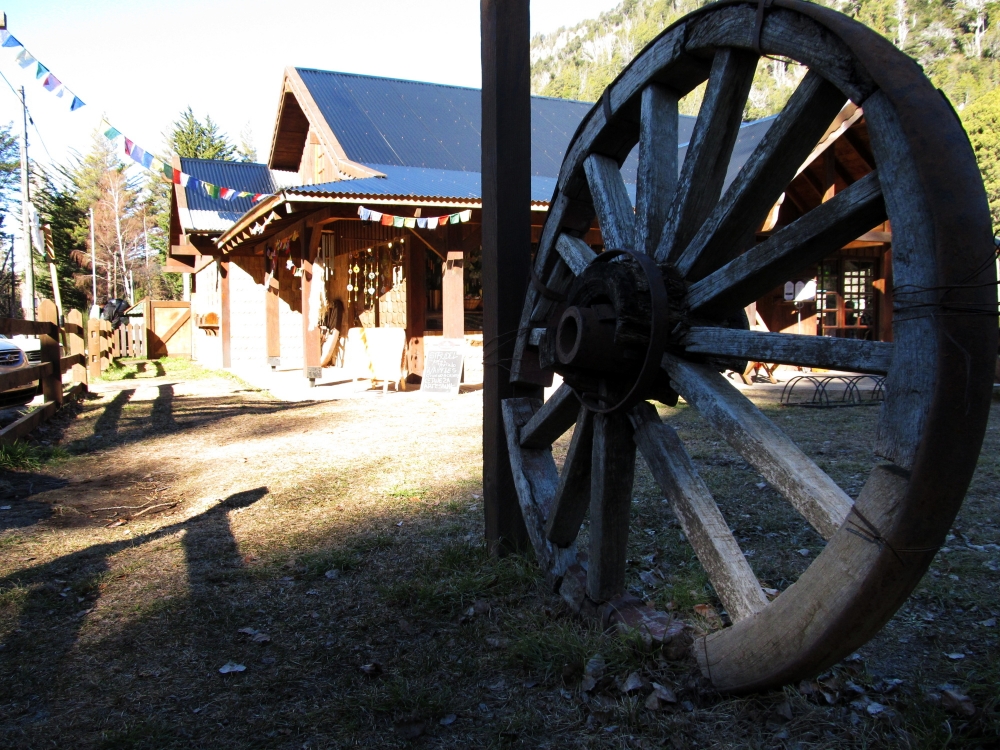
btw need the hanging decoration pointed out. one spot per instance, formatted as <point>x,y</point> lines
<point>43,75</point>
<point>142,157</point>
<point>413,222</point>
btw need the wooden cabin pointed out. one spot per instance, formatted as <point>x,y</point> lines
<point>272,280</point>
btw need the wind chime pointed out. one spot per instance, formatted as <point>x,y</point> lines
<point>362,273</point>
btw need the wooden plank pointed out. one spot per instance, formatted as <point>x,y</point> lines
<point>709,151</point>
<point>18,327</point>
<point>49,349</point>
<point>656,178</point>
<point>27,423</point>
<point>766,174</point>
<point>799,245</point>
<point>71,360</point>
<point>535,480</point>
<point>24,376</point>
<point>549,423</point>
<point>848,355</point>
<point>762,444</point>
<point>572,497</point>
<point>312,344</point>
<point>453,295</point>
<point>702,522</point>
<point>612,472</point>
<point>575,253</point>
<point>611,201</point>
<point>506,256</point>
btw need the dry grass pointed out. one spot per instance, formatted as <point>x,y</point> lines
<point>193,508</point>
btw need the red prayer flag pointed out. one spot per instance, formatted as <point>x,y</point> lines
<point>387,220</point>
<point>128,146</point>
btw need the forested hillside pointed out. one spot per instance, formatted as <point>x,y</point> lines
<point>956,41</point>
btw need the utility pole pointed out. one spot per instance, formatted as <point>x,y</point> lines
<point>29,268</point>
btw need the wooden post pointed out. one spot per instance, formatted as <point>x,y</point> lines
<point>105,344</point>
<point>49,350</point>
<point>94,347</point>
<point>272,327</point>
<point>74,336</point>
<point>453,295</point>
<point>226,324</point>
<point>416,306</point>
<point>312,343</point>
<point>506,165</point>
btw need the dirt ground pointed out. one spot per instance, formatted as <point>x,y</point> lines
<point>186,562</point>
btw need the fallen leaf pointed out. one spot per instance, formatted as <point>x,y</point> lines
<point>804,552</point>
<point>595,667</point>
<point>957,656</point>
<point>588,683</point>
<point>232,667</point>
<point>874,708</point>
<point>652,702</point>
<point>496,642</point>
<point>312,592</point>
<point>481,607</point>
<point>957,703</point>
<point>761,485</point>
<point>247,631</point>
<point>528,684</point>
<point>448,720</point>
<point>784,710</point>
<point>372,669</point>
<point>632,683</point>
<point>708,612</point>
<point>990,623</point>
<point>261,638</point>
<point>332,573</point>
<point>410,729</point>
<point>663,693</point>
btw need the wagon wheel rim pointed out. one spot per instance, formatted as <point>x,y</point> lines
<point>879,545</point>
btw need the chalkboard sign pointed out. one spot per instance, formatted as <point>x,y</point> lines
<point>442,365</point>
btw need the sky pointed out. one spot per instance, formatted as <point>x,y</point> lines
<point>140,62</point>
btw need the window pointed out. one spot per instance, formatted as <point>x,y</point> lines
<point>845,299</point>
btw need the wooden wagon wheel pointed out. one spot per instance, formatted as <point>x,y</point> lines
<point>663,316</point>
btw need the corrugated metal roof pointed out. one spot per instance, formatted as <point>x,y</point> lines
<point>419,183</point>
<point>747,140</point>
<point>245,176</point>
<point>414,124</point>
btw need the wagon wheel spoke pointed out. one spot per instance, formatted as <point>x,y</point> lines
<point>804,242</point>
<point>657,171</point>
<point>611,201</point>
<point>553,419</point>
<point>612,472</point>
<point>847,355</point>
<point>762,444</point>
<point>575,253</point>
<point>699,516</point>
<point>572,497</point>
<point>772,165</point>
<point>709,151</point>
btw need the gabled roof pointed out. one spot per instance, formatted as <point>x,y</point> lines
<point>369,121</point>
<point>202,213</point>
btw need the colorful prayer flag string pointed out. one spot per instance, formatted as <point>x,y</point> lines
<point>413,222</point>
<point>140,156</point>
<point>42,74</point>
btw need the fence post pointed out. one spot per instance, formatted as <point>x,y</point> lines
<point>94,347</point>
<point>74,339</point>
<point>105,336</point>
<point>49,350</point>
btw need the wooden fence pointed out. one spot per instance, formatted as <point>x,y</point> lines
<point>51,367</point>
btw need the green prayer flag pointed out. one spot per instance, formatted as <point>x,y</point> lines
<point>168,172</point>
<point>397,221</point>
<point>453,219</point>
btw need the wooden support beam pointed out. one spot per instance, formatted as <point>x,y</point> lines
<point>506,170</point>
<point>311,340</point>
<point>272,325</point>
<point>226,324</point>
<point>453,295</point>
<point>415,258</point>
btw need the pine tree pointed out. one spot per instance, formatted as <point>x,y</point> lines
<point>56,198</point>
<point>982,123</point>
<point>191,138</point>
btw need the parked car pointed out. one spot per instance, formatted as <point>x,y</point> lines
<point>13,358</point>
